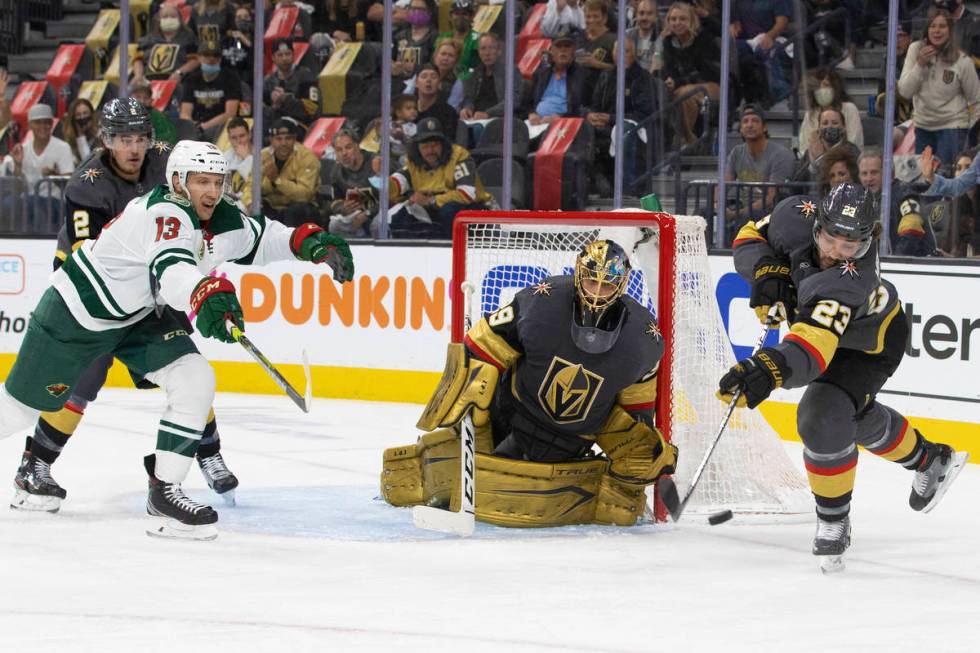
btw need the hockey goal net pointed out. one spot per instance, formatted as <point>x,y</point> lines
<point>496,254</point>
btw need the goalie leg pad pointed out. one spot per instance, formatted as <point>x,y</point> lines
<point>619,503</point>
<point>637,453</point>
<point>523,494</point>
<point>461,388</point>
<point>423,473</point>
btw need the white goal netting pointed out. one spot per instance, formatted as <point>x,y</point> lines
<point>750,472</point>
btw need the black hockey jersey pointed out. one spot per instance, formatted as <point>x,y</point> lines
<point>564,389</point>
<point>847,306</point>
<point>95,194</point>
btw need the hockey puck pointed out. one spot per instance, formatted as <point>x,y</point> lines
<point>720,517</point>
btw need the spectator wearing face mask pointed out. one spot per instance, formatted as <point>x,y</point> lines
<point>79,128</point>
<point>414,43</point>
<point>211,94</point>
<point>831,136</point>
<point>825,90</point>
<point>169,49</point>
<point>236,49</point>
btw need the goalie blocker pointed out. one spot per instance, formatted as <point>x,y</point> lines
<point>543,384</point>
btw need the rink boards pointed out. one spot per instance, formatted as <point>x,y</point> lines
<point>383,336</point>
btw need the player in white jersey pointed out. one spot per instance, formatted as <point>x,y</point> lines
<point>103,300</point>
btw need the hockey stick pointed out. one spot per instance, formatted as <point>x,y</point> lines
<point>463,522</point>
<point>303,401</point>
<point>446,521</point>
<point>666,488</point>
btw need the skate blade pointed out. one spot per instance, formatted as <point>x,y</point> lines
<point>831,564</point>
<point>34,502</point>
<point>959,462</point>
<point>229,498</point>
<point>167,528</point>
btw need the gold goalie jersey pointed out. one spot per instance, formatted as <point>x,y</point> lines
<point>562,388</point>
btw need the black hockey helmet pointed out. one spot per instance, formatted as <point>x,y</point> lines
<point>848,211</point>
<point>125,116</point>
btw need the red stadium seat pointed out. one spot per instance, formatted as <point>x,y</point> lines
<point>28,94</point>
<point>321,134</point>
<point>66,62</point>
<point>531,29</point>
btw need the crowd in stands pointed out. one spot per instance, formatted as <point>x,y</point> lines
<point>447,87</point>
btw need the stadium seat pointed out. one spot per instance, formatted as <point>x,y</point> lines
<point>491,173</point>
<point>491,142</point>
<point>874,130</point>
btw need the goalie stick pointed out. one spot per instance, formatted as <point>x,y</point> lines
<point>303,401</point>
<point>463,522</point>
<point>446,521</point>
<point>666,488</point>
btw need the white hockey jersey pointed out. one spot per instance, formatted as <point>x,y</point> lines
<point>108,283</point>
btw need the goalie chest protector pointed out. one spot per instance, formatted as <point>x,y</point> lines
<point>569,390</point>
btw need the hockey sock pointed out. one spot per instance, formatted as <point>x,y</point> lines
<point>53,430</point>
<point>885,432</point>
<point>831,477</point>
<point>833,508</point>
<point>210,440</point>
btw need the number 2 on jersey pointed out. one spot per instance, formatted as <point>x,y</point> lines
<point>167,228</point>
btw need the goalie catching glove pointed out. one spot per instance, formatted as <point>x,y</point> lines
<point>773,286</point>
<point>214,301</point>
<point>311,243</point>
<point>756,377</point>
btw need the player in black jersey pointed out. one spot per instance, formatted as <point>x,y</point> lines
<point>576,359</point>
<point>818,261</point>
<point>129,165</point>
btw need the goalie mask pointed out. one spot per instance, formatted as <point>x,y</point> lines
<point>847,213</point>
<point>601,273</point>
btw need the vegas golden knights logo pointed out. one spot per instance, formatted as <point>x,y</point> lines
<point>567,391</point>
<point>163,57</point>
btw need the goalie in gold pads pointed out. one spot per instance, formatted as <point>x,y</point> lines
<point>571,362</point>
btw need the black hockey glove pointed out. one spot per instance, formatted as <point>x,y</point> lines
<point>773,285</point>
<point>312,243</point>
<point>756,376</point>
<point>214,301</point>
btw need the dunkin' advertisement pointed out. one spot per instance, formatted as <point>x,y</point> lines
<point>384,334</point>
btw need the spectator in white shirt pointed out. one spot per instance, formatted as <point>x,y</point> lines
<point>239,155</point>
<point>40,155</point>
<point>562,13</point>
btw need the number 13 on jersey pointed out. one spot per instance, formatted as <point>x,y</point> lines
<point>167,228</point>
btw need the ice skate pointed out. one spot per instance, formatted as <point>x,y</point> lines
<point>35,489</point>
<point>219,477</point>
<point>938,469</point>
<point>830,543</point>
<point>173,514</point>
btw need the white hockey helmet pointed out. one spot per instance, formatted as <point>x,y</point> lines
<point>194,156</point>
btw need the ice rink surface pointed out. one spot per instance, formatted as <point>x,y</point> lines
<point>310,561</point>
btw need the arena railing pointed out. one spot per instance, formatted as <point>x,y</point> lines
<point>698,197</point>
